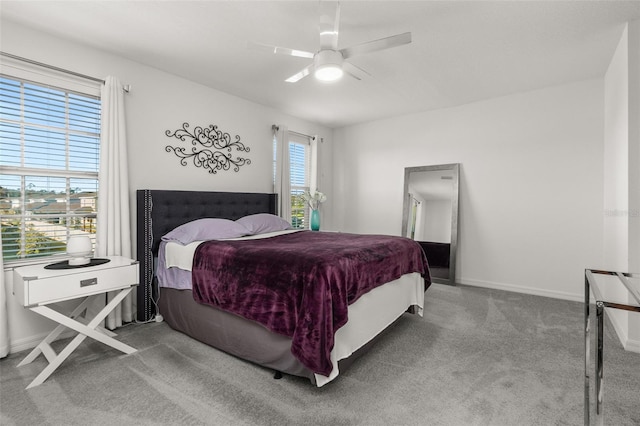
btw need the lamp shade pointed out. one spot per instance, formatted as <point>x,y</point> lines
<point>79,248</point>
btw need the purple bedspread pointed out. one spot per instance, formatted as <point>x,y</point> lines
<point>300,284</point>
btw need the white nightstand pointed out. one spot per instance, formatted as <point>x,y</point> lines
<point>36,287</point>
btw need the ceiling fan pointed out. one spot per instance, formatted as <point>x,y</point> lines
<point>330,63</point>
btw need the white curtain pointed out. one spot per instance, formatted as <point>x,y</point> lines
<point>4,315</point>
<point>113,237</point>
<point>283,181</point>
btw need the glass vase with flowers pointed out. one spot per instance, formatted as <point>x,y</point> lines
<point>313,199</point>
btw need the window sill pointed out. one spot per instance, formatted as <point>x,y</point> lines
<point>12,264</point>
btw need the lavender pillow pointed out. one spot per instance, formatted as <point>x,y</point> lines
<point>206,229</point>
<point>263,222</point>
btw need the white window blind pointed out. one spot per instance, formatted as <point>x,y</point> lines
<point>49,145</point>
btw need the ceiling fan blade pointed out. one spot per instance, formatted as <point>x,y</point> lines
<point>329,23</point>
<point>300,75</point>
<point>279,50</point>
<point>372,46</point>
<point>354,71</point>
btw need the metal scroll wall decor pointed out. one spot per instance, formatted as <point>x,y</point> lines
<point>211,148</point>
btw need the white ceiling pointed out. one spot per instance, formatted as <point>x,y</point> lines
<point>462,51</point>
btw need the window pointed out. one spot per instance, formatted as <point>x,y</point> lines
<point>300,166</point>
<point>299,161</point>
<point>50,142</point>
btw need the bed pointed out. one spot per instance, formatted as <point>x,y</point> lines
<point>161,212</point>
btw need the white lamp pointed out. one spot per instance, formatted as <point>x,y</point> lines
<point>79,248</point>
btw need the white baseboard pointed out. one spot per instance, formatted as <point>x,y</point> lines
<point>628,344</point>
<point>33,341</point>
<point>521,289</point>
<point>633,345</point>
<point>619,329</point>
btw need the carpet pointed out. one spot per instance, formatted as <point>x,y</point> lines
<point>477,357</point>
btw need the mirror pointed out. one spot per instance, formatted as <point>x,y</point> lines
<point>430,216</point>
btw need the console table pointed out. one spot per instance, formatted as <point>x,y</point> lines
<point>36,287</point>
<point>631,285</point>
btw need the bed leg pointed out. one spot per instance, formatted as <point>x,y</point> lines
<point>277,375</point>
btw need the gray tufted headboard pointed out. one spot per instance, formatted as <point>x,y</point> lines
<point>159,211</point>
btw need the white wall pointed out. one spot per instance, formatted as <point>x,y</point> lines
<point>616,181</point>
<point>616,166</point>
<point>634,170</point>
<point>158,102</point>
<point>530,187</point>
<point>621,251</point>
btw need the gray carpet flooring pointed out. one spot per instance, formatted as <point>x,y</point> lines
<point>478,357</point>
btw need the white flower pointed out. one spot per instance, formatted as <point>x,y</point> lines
<point>314,199</point>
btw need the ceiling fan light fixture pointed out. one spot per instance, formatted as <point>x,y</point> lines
<point>328,65</point>
<point>329,73</point>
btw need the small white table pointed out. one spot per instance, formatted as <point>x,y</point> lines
<point>37,287</point>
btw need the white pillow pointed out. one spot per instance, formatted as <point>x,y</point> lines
<point>206,229</point>
<point>261,223</point>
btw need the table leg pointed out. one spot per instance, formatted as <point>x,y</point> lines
<point>45,344</point>
<point>84,331</point>
<point>587,351</point>
<point>599,359</point>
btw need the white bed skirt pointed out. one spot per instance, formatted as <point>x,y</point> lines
<point>371,314</point>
